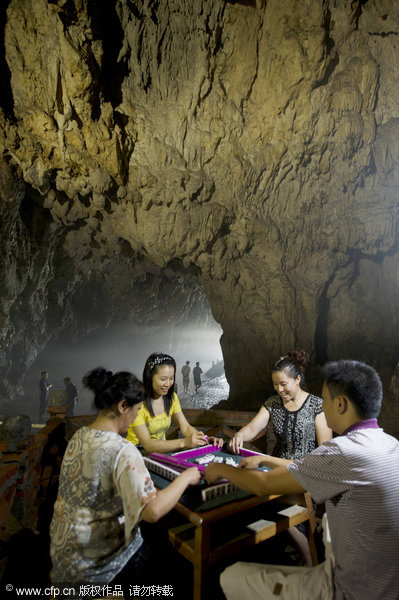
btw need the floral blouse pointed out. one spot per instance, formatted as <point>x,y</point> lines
<point>104,485</point>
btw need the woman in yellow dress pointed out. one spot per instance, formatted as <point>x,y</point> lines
<point>160,406</point>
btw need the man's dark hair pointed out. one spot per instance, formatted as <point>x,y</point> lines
<point>359,382</point>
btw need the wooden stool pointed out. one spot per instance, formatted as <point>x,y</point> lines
<point>57,411</point>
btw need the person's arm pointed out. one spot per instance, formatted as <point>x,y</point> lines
<point>323,432</point>
<point>249,431</point>
<point>151,445</point>
<point>140,498</point>
<point>166,499</point>
<point>260,483</point>
<point>192,436</point>
<point>263,460</point>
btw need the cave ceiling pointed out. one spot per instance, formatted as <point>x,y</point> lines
<point>176,158</point>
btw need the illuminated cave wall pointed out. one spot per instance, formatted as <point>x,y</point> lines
<point>251,147</point>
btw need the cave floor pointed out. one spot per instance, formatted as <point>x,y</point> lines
<point>28,563</point>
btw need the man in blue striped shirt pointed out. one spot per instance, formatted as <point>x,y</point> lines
<point>357,475</point>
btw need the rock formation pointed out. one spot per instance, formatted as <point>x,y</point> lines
<point>160,153</point>
<point>15,428</point>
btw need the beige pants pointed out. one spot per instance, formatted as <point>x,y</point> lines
<point>255,581</point>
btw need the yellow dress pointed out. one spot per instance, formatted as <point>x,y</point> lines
<point>157,426</point>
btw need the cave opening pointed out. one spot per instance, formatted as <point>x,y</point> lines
<point>125,344</point>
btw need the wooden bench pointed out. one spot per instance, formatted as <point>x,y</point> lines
<point>57,411</point>
<point>226,423</point>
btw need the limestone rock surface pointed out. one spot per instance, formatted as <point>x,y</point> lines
<point>160,153</point>
<point>15,428</point>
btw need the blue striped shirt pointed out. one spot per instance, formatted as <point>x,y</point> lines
<point>357,475</point>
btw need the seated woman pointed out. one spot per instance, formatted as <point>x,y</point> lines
<point>105,490</point>
<point>160,405</point>
<point>298,420</point>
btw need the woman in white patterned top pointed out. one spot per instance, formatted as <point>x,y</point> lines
<point>105,489</point>
<point>298,420</point>
<point>299,424</point>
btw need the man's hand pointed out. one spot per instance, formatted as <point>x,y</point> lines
<point>212,473</point>
<point>251,462</point>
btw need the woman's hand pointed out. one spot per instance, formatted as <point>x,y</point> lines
<point>216,441</point>
<point>193,475</point>
<point>236,443</point>
<point>251,462</point>
<point>197,438</point>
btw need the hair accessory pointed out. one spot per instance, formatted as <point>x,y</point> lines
<point>159,360</point>
<point>285,357</point>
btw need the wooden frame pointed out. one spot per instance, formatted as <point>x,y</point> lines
<point>196,535</point>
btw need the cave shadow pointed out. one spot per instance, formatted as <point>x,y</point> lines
<point>6,96</point>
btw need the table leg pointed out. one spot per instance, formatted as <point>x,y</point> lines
<point>201,559</point>
<point>312,528</point>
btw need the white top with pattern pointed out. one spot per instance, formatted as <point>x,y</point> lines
<point>294,430</point>
<point>104,485</point>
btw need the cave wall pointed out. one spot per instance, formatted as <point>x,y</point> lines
<point>252,147</point>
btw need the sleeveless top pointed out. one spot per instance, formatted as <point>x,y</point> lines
<point>295,431</point>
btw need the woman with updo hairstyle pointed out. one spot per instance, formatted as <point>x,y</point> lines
<point>161,404</point>
<point>105,490</point>
<point>298,420</point>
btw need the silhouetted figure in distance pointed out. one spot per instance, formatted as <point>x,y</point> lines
<point>44,387</point>
<point>197,376</point>
<point>71,394</point>
<point>185,370</point>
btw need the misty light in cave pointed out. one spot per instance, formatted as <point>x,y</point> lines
<point>126,346</point>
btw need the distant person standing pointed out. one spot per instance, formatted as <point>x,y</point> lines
<point>71,394</point>
<point>44,387</point>
<point>185,370</point>
<point>197,376</point>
